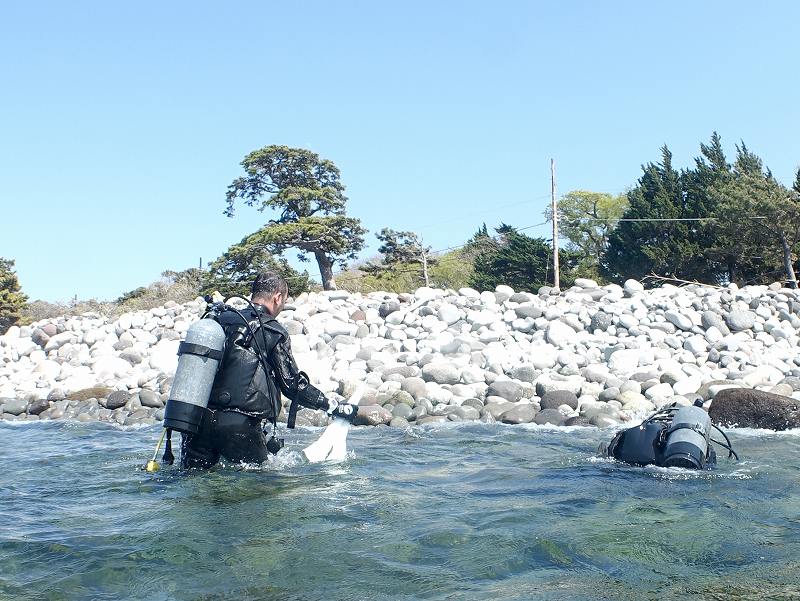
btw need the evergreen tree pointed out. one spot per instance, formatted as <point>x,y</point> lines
<point>12,300</point>
<point>519,261</point>
<point>650,243</point>
<point>402,250</point>
<point>234,271</point>
<point>308,193</point>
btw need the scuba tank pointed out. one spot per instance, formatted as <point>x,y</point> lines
<point>686,442</point>
<point>671,437</point>
<point>199,357</point>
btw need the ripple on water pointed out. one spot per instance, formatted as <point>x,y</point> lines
<point>451,511</point>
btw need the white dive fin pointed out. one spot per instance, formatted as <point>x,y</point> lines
<point>332,444</point>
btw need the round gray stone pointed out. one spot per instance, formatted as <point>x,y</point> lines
<point>15,406</point>
<point>414,386</point>
<point>441,373</point>
<point>549,416</point>
<point>520,414</point>
<point>402,410</point>
<point>511,391</point>
<point>38,406</point>
<point>556,398</point>
<point>117,399</point>
<point>525,373</point>
<point>600,321</point>
<point>150,398</point>
<point>388,308</point>
<point>740,320</point>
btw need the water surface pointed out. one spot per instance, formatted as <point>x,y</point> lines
<point>451,512</point>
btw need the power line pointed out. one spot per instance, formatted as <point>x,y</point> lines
<point>582,219</point>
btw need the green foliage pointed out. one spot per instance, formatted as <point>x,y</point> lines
<point>671,248</point>
<point>132,295</point>
<point>585,220</point>
<point>233,272</point>
<point>402,251</point>
<point>309,195</point>
<point>744,228</point>
<point>12,300</point>
<point>517,260</point>
<point>453,270</point>
<point>177,286</point>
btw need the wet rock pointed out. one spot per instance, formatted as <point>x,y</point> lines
<point>577,420</point>
<point>14,406</point>
<point>519,414</point>
<point>117,399</point>
<point>38,406</point>
<point>150,398</point>
<point>95,392</point>
<point>402,410</point>
<point>431,419</point>
<point>749,408</point>
<point>554,399</point>
<point>372,415</point>
<point>549,416</point>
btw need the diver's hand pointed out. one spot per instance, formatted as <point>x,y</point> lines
<point>343,410</point>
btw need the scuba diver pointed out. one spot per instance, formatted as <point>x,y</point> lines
<point>232,368</point>
<point>674,436</point>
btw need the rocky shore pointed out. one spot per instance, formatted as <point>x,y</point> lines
<point>590,355</point>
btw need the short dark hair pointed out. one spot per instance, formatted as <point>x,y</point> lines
<point>269,282</point>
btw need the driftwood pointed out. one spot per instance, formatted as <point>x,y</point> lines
<point>662,278</point>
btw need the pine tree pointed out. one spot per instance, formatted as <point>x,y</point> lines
<point>521,262</point>
<point>12,300</point>
<point>657,245</point>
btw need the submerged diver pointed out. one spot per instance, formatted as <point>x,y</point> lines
<point>255,366</point>
<point>672,437</point>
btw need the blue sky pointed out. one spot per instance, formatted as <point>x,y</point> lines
<point>123,124</point>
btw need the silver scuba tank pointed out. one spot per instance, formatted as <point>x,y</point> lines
<point>198,358</point>
<point>687,439</point>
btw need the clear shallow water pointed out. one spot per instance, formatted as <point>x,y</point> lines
<point>459,512</point>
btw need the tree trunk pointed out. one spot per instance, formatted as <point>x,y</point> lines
<point>787,262</point>
<point>425,269</point>
<point>325,270</point>
<point>732,270</point>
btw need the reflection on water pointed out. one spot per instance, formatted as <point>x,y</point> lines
<point>468,512</point>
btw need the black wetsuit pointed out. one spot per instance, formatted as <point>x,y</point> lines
<point>244,394</point>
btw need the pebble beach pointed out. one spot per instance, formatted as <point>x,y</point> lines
<point>591,355</point>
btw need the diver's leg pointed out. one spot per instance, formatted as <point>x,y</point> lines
<point>240,438</point>
<point>198,451</point>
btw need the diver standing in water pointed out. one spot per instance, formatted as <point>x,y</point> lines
<point>255,364</point>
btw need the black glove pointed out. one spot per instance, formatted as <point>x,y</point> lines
<point>345,411</point>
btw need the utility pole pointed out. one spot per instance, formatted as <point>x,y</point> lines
<point>555,221</point>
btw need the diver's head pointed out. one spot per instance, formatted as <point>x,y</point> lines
<point>270,291</point>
